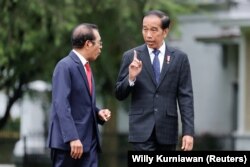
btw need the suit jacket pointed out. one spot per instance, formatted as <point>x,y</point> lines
<point>73,112</point>
<point>155,105</point>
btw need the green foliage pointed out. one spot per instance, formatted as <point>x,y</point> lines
<point>12,126</point>
<point>6,144</point>
<point>32,36</point>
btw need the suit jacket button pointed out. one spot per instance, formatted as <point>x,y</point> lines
<point>155,109</point>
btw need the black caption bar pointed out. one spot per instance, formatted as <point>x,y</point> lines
<point>190,158</point>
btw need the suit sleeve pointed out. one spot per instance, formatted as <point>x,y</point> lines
<point>122,88</point>
<point>185,98</point>
<point>61,89</point>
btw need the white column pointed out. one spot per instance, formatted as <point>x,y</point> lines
<point>242,86</point>
<point>242,136</point>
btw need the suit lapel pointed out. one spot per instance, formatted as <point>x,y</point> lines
<point>93,86</point>
<point>81,70</point>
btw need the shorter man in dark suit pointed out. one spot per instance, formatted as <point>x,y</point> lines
<point>158,77</point>
<point>73,131</point>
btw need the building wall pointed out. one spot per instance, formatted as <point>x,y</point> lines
<point>212,83</point>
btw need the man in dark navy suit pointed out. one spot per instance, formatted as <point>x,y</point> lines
<point>73,132</point>
<point>158,77</point>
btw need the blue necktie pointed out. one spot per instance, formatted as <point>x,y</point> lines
<point>156,65</point>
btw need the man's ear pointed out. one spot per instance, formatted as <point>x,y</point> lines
<point>88,44</point>
<point>165,31</point>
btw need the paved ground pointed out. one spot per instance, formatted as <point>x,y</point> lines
<point>7,165</point>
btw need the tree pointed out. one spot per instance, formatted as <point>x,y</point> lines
<point>32,36</point>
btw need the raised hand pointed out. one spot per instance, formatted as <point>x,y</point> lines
<point>135,67</point>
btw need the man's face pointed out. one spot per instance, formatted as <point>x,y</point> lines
<point>152,32</point>
<point>96,46</point>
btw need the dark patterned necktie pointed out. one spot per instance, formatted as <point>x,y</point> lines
<point>156,65</point>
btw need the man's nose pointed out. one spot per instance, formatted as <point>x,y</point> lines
<point>148,34</point>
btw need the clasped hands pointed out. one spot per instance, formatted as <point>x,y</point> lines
<point>104,114</point>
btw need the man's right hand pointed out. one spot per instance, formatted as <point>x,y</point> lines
<point>135,67</point>
<point>76,149</point>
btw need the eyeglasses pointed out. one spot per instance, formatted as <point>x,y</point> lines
<point>99,42</point>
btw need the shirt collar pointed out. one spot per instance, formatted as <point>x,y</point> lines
<point>162,49</point>
<point>82,59</point>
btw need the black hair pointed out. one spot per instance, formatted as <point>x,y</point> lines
<point>165,20</point>
<point>82,33</point>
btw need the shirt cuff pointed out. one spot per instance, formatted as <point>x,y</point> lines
<point>131,83</point>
